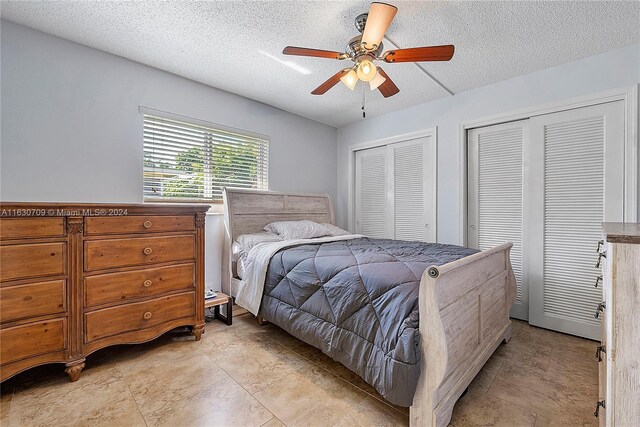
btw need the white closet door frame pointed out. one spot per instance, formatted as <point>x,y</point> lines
<point>431,152</point>
<point>629,95</point>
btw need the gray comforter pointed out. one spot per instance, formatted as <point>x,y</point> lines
<point>357,301</point>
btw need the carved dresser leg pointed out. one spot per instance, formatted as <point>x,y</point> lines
<point>197,331</point>
<point>74,369</point>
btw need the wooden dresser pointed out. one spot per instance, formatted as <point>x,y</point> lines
<point>75,278</point>
<point>619,351</point>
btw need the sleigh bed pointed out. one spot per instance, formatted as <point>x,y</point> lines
<point>424,361</point>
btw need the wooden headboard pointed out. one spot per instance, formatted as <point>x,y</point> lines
<point>248,211</point>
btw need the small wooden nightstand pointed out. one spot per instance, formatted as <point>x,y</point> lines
<point>221,299</point>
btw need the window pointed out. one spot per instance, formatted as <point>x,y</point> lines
<point>193,162</point>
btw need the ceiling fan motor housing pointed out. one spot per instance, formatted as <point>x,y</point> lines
<point>357,52</point>
<point>361,22</point>
<point>355,48</point>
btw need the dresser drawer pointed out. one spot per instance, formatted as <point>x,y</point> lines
<point>32,300</point>
<point>23,228</point>
<point>135,316</point>
<point>32,260</point>
<point>112,253</point>
<point>32,339</point>
<point>138,224</point>
<point>122,287</point>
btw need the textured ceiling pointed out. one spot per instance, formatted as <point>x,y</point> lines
<point>237,45</point>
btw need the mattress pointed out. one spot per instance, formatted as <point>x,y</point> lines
<point>357,301</point>
<point>240,257</point>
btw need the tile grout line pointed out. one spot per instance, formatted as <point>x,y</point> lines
<point>536,414</point>
<point>144,419</point>
<point>495,376</point>
<point>126,383</point>
<point>500,369</point>
<point>334,375</point>
<point>242,387</point>
<point>274,418</point>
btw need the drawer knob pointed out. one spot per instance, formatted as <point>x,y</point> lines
<point>146,224</point>
<point>147,283</point>
<point>147,315</point>
<point>147,251</point>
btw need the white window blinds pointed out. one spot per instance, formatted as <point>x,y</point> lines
<point>193,162</point>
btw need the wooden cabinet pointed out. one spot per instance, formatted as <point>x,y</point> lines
<point>75,278</point>
<point>619,351</point>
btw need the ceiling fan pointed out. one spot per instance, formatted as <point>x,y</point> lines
<point>367,47</point>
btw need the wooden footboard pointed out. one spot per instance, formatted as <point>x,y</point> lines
<point>464,316</point>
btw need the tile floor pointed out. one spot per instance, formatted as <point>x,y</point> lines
<point>247,375</point>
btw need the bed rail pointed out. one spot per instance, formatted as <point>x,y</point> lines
<point>464,316</point>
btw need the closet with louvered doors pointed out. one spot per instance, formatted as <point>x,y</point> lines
<point>395,187</point>
<point>546,184</point>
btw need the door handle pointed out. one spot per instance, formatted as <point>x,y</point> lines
<point>598,279</point>
<point>599,405</point>
<point>600,256</point>
<point>600,308</point>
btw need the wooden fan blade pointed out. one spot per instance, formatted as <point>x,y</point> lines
<point>318,53</point>
<point>378,21</point>
<point>333,80</point>
<point>388,88</point>
<point>415,54</point>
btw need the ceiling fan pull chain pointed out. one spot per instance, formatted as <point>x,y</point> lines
<point>364,114</point>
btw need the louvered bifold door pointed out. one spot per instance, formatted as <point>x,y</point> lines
<point>495,203</point>
<point>370,192</point>
<point>411,181</point>
<point>577,165</point>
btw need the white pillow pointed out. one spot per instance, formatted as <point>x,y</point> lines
<point>335,231</point>
<point>248,241</point>
<point>305,229</point>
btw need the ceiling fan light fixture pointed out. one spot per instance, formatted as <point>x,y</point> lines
<point>350,79</point>
<point>376,81</point>
<point>367,70</point>
<point>366,48</point>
